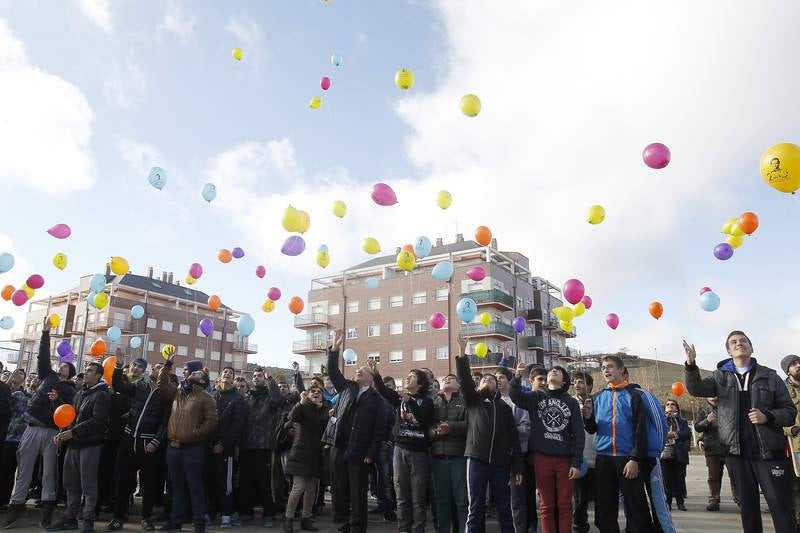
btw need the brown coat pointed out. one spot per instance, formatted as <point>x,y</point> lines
<point>193,417</point>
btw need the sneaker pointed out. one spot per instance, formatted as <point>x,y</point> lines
<point>64,525</point>
<point>14,513</point>
<point>713,506</point>
<point>147,525</point>
<point>269,522</point>
<point>226,522</point>
<point>170,526</point>
<point>88,526</point>
<point>390,516</point>
<point>114,525</point>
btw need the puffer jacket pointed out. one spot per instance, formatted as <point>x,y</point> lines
<point>710,431</point>
<point>193,417</point>
<point>768,394</point>
<point>258,427</point>
<point>40,408</point>
<point>305,457</point>
<point>150,404</point>
<point>454,412</point>
<point>92,405</point>
<point>231,415</point>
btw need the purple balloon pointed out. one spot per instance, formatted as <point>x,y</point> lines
<point>63,348</point>
<point>383,195</point>
<point>237,253</point>
<point>656,155</point>
<point>274,294</point>
<point>573,291</point>
<point>207,326</point>
<point>587,302</point>
<point>68,358</point>
<point>294,245</point>
<point>437,320</point>
<point>196,270</point>
<point>612,320</point>
<point>519,324</point>
<point>723,251</point>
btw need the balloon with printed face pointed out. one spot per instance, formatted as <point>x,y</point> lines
<point>60,231</point>
<point>157,177</point>
<point>6,262</point>
<point>466,309</point>
<point>422,247</point>
<point>137,312</point>
<point>60,261</point>
<point>246,325</point>
<point>206,327</point>
<point>780,167</point>
<point>209,192</point>
<point>442,271</point>
<point>119,266</point>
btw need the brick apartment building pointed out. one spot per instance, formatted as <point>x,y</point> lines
<point>390,323</point>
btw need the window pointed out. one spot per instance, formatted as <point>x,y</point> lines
<point>229,337</point>
<point>217,335</point>
<point>101,317</point>
<point>418,326</point>
<point>151,346</point>
<point>352,333</point>
<point>183,350</point>
<point>352,307</point>
<point>119,320</point>
<point>373,331</point>
<point>396,328</point>
<point>32,327</point>
<point>419,297</point>
<point>395,356</point>
<point>519,302</point>
<point>374,356</point>
<point>441,294</point>
<point>38,326</point>
<point>374,304</point>
<point>199,333</point>
<point>166,325</point>
<point>396,301</point>
<point>91,319</point>
<point>214,356</point>
<point>354,362</point>
<point>228,358</point>
<point>151,323</point>
<point>213,375</point>
<point>442,352</point>
<point>333,309</point>
<point>200,353</point>
<point>419,354</point>
<point>79,323</point>
<point>473,286</point>
<point>184,329</point>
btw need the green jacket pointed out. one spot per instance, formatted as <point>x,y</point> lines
<point>455,413</point>
<point>794,394</point>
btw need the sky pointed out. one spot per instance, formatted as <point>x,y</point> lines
<point>93,93</point>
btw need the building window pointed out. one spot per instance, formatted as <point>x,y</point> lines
<point>200,353</point>
<point>396,301</point>
<point>166,325</point>
<point>418,326</point>
<point>374,356</point>
<point>374,304</point>
<point>354,362</point>
<point>373,331</point>
<point>396,328</point>
<point>228,358</point>
<point>184,329</point>
<point>352,307</point>
<point>519,302</point>
<point>419,297</point>
<point>214,355</point>
<point>183,350</point>
<point>473,286</point>
<point>419,354</point>
<point>441,294</point>
<point>30,328</point>
<point>333,309</point>
<point>199,333</point>
<point>151,346</point>
<point>151,322</point>
<point>213,375</point>
<point>396,356</point>
<point>229,337</point>
<point>442,352</point>
<point>101,317</point>
<point>79,323</point>
<point>91,319</point>
<point>352,333</point>
<point>217,335</point>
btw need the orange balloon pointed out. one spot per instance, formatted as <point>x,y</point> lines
<point>64,415</point>
<point>8,290</point>
<point>678,389</point>
<point>483,236</point>
<point>98,347</point>
<point>410,249</point>
<point>748,222</point>
<point>656,310</point>
<point>214,302</point>
<point>108,368</point>
<point>296,305</point>
<point>224,256</point>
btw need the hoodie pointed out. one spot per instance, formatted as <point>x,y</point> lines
<point>92,405</point>
<point>40,409</point>
<point>413,417</point>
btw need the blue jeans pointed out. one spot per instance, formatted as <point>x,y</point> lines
<point>185,467</point>
<point>479,476</point>
<point>385,469</point>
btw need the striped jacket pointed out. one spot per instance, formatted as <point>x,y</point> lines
<point>619,418</point>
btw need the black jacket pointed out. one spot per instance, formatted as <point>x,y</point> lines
<point>231,416</point>
<point>682,444</point>
<point>40,409</point>
<point>454,413</point>
<point>5,410</point>
<point>491,429</point>
<point>768,394</point>
<point>305,457</point>
<point>280,407</point>
<point>150,405</point>
<point>258,429</point>
<point>413,419</point>
<point>710,431</point>
<point>117,416</point>
<point>92,405</point>
<point>360,422</point>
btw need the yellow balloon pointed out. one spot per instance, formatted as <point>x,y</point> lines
<point>728,226</point>
<point>481,350</point>
<point>404,79</point>
<point>304,221</point>
<point>323,259</point>
<point>564,313</point>
<point>100,300</point>
<point>55,320</point>
<point>444,199</point>
<point>339,208</point>
<point>371,246</point>
<point>190,280</point>
<point>316,103</point>
<point>485,319</point>
<point>736,231</point>
<point>237,54</point>
<point>596,214</point>
<point>60,261</point>
<point>405,260</point>
<point>566,326</point>
<point>119,266</point>
<point>735,240</point>
<point>470,105</point>
<point>780,167</point>
<point>579,308</point>
<point>268,306</point>
<point>292,219</point>
<point>166,350</point>
<point>28,290</point>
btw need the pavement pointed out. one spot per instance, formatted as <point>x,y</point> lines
<point>695,519</point>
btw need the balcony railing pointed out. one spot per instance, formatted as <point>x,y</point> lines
<point>311,319</point>
<point>534,342</point>
<point>494,329</point>
<point>533,315</point>
<point>316,345</point>
<point>493,296</point>
<point>240,344</point>
<point>491,359</point>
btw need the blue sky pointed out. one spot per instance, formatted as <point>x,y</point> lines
<point>93,93</point>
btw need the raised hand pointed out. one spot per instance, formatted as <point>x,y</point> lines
<point>691,353</point>
<point>338,338</point>
<point>169,352</point>
<point>520,370</point>
<point>462,343</point>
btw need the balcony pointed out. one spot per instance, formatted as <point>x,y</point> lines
<point>534,315</point>
<point>548,320</point>
<point>493,297</point>
<point>312,346</point>
<point>241,345</point>
<point>535,342</point>
<point>492,360</point>
<point>311,320</point>
<point>495,329</point>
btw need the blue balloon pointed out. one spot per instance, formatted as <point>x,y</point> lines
<point>422,247</point>
<point>246,325</point>
<point>6,262</point>
<point>6,322</point>
<point>157,177</point>
<point>349,355</point>
<point>209,192</point>
<point>466,309</point>
<point>709,301</point>
<point>97,283</point>
<point>371,283</point>
<point>114,333</point>
<point>136,342</point>
<point>336,60</point>
<point>90,298</point>
<point>137,312</point>
<point>442,271</point>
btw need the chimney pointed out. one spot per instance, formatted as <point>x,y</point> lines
<point>439,242</point>
<point>459,237</point>
<point>169,278</point>
<point>493,245</point>
<point>108,269</point>
<point>150,272</point>
<point>397,250</point>
<point>178,283</point>
<point>164,276</point>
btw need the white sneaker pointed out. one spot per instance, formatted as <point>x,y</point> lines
<point>226,523</point>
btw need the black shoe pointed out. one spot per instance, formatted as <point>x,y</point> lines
<point>47,514</point>
<point>338,519</point>
<point>64,525</point>
<point>88,526</point>
<point>14,513</point>
<point>390,516</point>
<point>200,526</point>
<point>288,525</point>
<point>114,525</point>
<point>681,506</point>
<point>147,525</point>
<point>307,524</point>
<point>713,506</point>
<point>170,526</point>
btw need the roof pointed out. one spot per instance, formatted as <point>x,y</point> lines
<point>436,250</point>
<point>160,287</point>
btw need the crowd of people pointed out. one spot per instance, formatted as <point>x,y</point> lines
<point>530,446</point>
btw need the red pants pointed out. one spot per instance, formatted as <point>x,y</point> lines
<point>555,491</point>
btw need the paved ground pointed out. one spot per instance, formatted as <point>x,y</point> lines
<point>693,520</point>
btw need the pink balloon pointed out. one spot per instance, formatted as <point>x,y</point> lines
<point>612,320</point>
<point>261,271</point>
<point>19,297</point>
<point>196,270</point>
<point>274,294</point>
<point>437,320</point>
<point>325,83</point>
<point>35,282</point>
<point>656,155</point>
<point>476,273</point>
<point>383,195</point>
<point>587,302</point>
<point>702,291</point>
<point>60,231</point>
<point>573,291</point>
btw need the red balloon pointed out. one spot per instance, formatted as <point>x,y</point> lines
<point>656,310</point>
<point>64,415</point>
<point>678,388</point>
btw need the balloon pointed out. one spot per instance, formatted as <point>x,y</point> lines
<point>728,226</point>
<point>470,105</point>
<point>612,320</point>
<point>54,320</point>
<point>565,325</point>
<point>483,236</point>
<point>268,306</point>
<point>315,103</point>
<point>748,222</point>
<point>481,350</point>
<point>6,322</point>
<point>165,351</point>
<point>723,251</point>
<point>119,265</point>
<point>336,60</point>
<point>444,199</point>
<point>8,290</point>
<point>780,167</point>
<point>60,231</point>
<point>63,348</point>
<point>246,325</point>
<point>97,283</point>
<point>293,246</point>
<point>190,280</point>
<point>422,247</point>
<point>157,178</point>
<point>709,301</point>
<point>405,260</point>
<point>437,320</point>
<point>67,358</point>
<point>214,302</point>
<point>35,281</point>
<point>237,253</point>
<point>704,290</point>
<point>206,327</point>
<point>296,305</point>
<point>323,259</point>
<point>519,324</point>
<point>466,309</point>
<point>114,333</point>
<point>573,291</point>
<point>325,83</point>
<point>564,313</point>
<point>19,298</point>
<point>224,255</point>
<point>60,261</point>
<point>261,271</point>
<point>371,282</point>
<point>237,54</point>
<point>656,155</point>
<point>442,271</point>
<point>476,273</point>
<point>274,294</point>
<point>656,310</point>
<point>98,347</point>
<point>291,219</point>
<point>736,230</point>
<point>485,319</point>
<point>136,342</point>
<point>108,368</point>
<point>579,308</point>
<point>100,300</point>
<point>735,241</point>
<point>678,388</point>
<point>383,194</point>
<point>371,246</point>
<point>209,192</point>
<point>90,298</point>
<point>404,79</point>
<point>137,312</point>
<point>596,214</point>
<point>349,355</point>
<point>339,208</point>
<point>196,270</point>
<point>30,292</point>
<point>64,415</point>
<point>6,262</point>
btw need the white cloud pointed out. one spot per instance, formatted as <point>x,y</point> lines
<point>126,82</point>
<point>141,157</point>
<point>98,12</point>
<point>249,36</point>
<point>45,125</point>
<point>176,21</point>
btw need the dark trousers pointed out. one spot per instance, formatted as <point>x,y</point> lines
<point>774,478</point>
<point>479,476</point>
<point>350,486</point>
<point>8,466</point>
<point>106,473</point>
<point>674,480</point>
<point>220,489</point>
<point>608,482</point>
<point>185,467</point>
<point>255,485</point>
<point>340,486</point>
<point>385,477</point>
<point>129,462</point>
<point>716,465</point>
<point>530,503</point>
<point>581,496</point>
